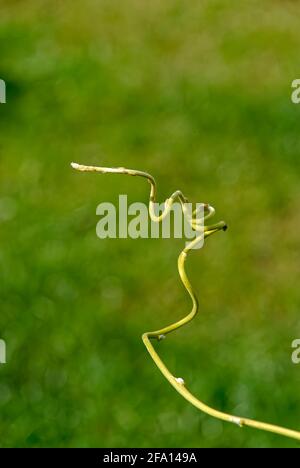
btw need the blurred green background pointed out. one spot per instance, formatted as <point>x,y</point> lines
<point>197,94</point>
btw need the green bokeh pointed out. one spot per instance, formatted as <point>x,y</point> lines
<point>197,94</point>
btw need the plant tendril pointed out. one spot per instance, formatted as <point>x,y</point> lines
<point>147,337</point>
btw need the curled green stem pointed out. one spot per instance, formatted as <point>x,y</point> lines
<point>148,337</point>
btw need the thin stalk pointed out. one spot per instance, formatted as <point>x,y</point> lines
<point>147,337</point>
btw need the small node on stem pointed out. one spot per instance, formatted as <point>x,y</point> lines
<point>179,380</point>
<point>236,420</point>
<point>161,337</point>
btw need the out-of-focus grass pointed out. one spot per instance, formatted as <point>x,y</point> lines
<point>197,94</point>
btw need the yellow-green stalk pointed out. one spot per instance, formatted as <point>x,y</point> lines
<point>147,337</point>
